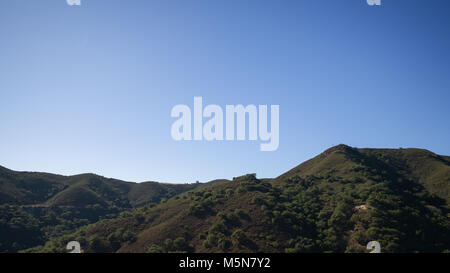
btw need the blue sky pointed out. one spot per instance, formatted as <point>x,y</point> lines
<point>90,88</point>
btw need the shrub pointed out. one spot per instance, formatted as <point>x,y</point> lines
<point>129,237</point>
<point>211,239</point>
<point>168,244</point>
<point>219,227</point>
<point>239,237</point>
<point>155,249</point>
<point>224,244</point>
<point>229,192</point>
<point>240,213</point>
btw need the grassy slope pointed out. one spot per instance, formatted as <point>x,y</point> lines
<point>425,167</point>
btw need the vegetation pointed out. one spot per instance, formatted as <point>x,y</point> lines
<point>35,207</point>
<point>335,202</point>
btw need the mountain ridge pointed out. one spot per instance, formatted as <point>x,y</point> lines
<point>336,201</point>
<point>42,205</point>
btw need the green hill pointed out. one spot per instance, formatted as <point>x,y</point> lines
<point>335,202</point>
<point>429,169</point>
<point>35,207</point>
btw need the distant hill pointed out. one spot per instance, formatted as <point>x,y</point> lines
<point>37,206</point>
<point>34,188</point>
<point>336,202</point>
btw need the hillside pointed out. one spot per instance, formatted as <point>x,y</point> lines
<point>35,207</point>
<point>422,166</point>
<point>335,202</point>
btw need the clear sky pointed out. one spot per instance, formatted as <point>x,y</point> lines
<point>90,88</point>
